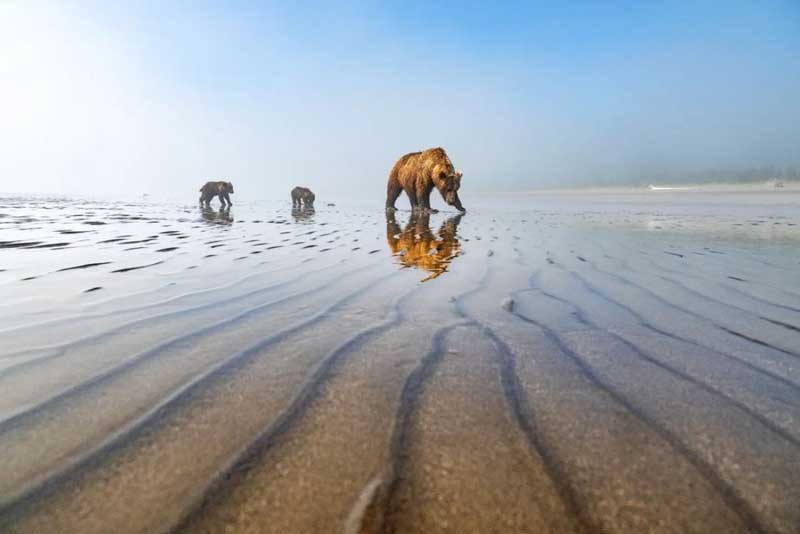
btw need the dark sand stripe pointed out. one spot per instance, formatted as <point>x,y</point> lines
<point>137,267</point>
<point>84,266</point>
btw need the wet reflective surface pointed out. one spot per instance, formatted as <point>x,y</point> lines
<point>217,216</point>
<point>571,363</point>
<point>304,215</point>
<point>418,247</point>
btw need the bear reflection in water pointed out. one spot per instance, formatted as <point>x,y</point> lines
<point>212,216</point>
<point>418,247</point>
<point>303,215</point>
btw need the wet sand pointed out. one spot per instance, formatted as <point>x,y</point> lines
<point>617,363</point>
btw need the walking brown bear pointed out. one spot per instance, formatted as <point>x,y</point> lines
<point>418,173</point>
<point>223,190</point>
<point>302,197</point>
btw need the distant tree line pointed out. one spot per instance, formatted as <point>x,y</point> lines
<point>644,177</point>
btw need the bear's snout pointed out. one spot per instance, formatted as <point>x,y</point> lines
<point>452,199</point>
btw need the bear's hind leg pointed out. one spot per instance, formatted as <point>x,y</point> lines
<point>393,191</point>
<point>412,197</point>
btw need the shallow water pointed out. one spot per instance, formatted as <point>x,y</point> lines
<point>544,363</point>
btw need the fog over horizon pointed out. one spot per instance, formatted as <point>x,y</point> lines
<point>125,98</point>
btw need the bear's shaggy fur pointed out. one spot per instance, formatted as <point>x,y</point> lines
<point>302,197</point>
<point>418,247</point>
<point>223,190</point>
<point>418,173</point>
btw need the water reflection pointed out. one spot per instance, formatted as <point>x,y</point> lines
<point>303,215</point>
<point>418,247</point>
<point>212,216</point>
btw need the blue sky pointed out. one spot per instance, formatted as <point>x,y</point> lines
<point>161,95</point>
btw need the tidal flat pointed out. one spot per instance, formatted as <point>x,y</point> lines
<point>618,362</point>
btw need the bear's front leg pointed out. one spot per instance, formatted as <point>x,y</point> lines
<point>425,202</point>
<point>412,199</point>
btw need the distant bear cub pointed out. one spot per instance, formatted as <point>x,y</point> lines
<point>302,197</point>
<point>418,173</point>
<point>223,190</point>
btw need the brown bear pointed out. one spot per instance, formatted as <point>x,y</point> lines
<point>418,173</point>
<point>223,190</point>
<point>302,197</point>
<point>418,247</point>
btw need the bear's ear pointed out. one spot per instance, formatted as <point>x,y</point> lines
<point>459,174</point>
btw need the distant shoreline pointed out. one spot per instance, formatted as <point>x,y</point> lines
<point>669,188</point>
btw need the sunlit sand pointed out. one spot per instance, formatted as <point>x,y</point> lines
<point>548,362</point>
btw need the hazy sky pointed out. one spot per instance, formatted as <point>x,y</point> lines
<point>129,96</point>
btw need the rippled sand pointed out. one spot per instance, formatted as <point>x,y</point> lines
<point>545,363</point>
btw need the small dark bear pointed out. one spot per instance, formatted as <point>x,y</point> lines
<point>302,197</point>
<point>418,173</point>
<point>223,190</point>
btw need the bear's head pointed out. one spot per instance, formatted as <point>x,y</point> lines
<point>229,187</point>
<point>310,198</point>
<point>448,184</point>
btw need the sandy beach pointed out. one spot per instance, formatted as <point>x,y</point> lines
<point>548,362</point>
